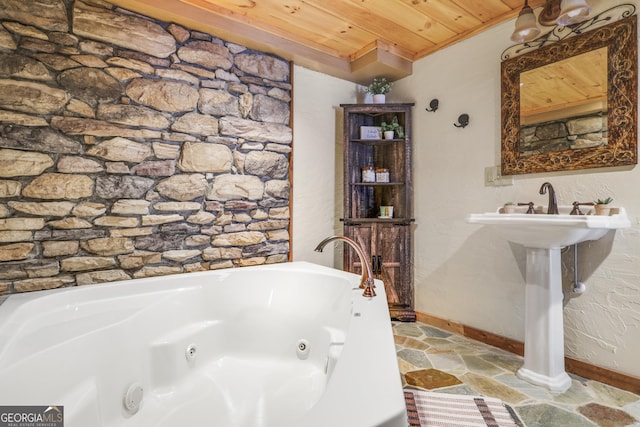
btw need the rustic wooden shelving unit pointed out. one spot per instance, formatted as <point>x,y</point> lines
<point>386,241</point>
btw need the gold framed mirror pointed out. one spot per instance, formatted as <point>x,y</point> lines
<point>572,104</point>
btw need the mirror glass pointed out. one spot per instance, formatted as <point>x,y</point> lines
<point>572,104</point>
<point>563,105</point>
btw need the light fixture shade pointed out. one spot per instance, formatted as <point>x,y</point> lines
<point>526,28</point>
<point>573,12</point>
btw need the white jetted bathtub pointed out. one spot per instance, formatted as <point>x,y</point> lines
<point>271,346</point>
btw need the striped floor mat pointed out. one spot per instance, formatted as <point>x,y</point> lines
<point>430,409</point>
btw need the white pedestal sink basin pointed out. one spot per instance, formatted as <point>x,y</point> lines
<point>543,236</point>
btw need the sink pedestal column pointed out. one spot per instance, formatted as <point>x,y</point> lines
<point>544,329</point>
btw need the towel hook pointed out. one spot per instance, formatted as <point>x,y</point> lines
<point>463,121</point>
<point>433,105</point>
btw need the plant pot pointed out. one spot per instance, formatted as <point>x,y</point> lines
<point>388,134</point>
<point>604,210</point>
<point>509,209</point>
<point>379,98</point>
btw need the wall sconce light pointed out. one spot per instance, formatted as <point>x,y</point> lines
<point>463,121</point>
<point>433,105</point>
<point>560,12</point>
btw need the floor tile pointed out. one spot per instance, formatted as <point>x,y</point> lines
<point>447,361</point>
<point>605,416</point>
<point>477,364</point>
<point>487,386</point>
<point>412,343</point>
<point>430,379</point>
<point>530,390</point>
<point>545,415</point>
<point>577,394</point>
<point>434,332</point>
<point>415,357</point>
<point>633,409</point>
<point>612,396</point>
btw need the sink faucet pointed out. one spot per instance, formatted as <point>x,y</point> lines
<point>366,282</point>
<point>552,208</point>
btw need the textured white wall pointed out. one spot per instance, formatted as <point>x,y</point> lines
<point>464,272</point>
<point>317,163</point>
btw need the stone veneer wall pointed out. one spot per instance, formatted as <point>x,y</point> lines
<point>571,133</point>
<point>133,148</point>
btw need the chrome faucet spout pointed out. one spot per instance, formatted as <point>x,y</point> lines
<point>366,282</point>
<point>552,208</point>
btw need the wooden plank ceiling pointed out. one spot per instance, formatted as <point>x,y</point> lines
<point>573,87</point>
<point>351,39</point>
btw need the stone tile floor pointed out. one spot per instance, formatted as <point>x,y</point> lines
<point>432,359</point>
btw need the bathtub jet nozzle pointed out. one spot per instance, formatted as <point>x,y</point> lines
<point>366,282</point>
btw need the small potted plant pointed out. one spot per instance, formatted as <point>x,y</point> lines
<point>602,206</point>
<point>509,208</point>
<point>379,88</point>
<point>392,128</point>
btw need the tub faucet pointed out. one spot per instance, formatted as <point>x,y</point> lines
<point>552,208</point>
<point>366,282</point>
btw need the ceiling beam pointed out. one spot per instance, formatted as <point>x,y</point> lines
<point>378,61</point>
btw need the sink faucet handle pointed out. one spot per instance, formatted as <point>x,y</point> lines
<point>576,207</point>
<point>530,210</point>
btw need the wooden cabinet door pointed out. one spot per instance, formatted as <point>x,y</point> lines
<point>387,247</point>
<point>363,235</point>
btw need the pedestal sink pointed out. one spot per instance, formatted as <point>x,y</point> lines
<point>543,236</point>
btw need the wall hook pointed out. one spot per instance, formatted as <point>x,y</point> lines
<point>463,121</point>
<point>433,105</point>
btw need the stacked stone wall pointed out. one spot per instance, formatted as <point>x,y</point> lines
<point>571,133</point>
<point>132,148</point>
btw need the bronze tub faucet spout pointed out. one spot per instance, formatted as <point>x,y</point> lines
<point>366,282</point>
